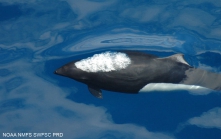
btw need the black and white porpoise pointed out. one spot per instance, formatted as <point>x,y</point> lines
<point>134,72</point>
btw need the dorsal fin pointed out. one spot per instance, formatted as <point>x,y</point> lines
<point>178,58</point>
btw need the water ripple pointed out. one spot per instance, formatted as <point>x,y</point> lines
<point>13,83</point>
<point>125,41</point>
<point>11,104</point>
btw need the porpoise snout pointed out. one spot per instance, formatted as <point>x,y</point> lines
<point>55,72</point>
<point>58,71</point>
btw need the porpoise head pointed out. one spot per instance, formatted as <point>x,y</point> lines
<point>71,71</point>
<point>88,70</point>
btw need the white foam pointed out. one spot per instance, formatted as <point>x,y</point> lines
<point>104,62</point>
<point>193,89</point>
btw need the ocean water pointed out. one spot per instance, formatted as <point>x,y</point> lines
<point>37,37</point>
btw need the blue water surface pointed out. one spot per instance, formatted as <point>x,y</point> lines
<point>39,36</point>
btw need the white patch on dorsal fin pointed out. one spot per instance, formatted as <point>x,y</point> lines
<point>178,58</point>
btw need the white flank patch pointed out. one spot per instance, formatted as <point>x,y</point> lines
<point>104,62</point>
<point>194,89</point>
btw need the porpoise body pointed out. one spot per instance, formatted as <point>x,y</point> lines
<point>134,72</point>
